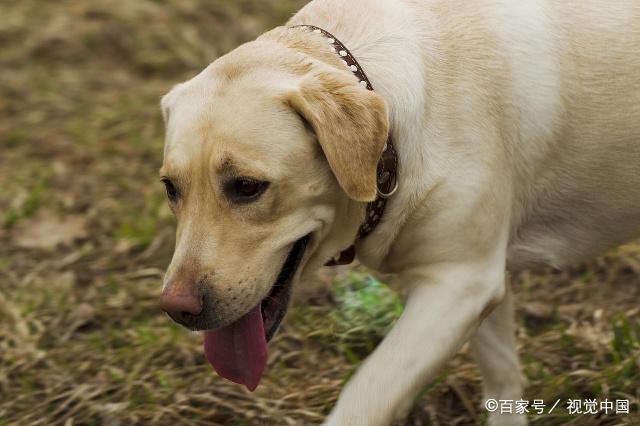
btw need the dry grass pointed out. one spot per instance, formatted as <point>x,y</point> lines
<point>85,233</point>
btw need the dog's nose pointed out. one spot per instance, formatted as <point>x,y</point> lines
<point>182,302</point>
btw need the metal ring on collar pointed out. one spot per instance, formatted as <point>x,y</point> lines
<point>388,194</point>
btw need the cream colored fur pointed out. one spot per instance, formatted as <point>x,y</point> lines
<point>517,125</point>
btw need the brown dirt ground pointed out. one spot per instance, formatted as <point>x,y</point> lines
<point>85,234</point>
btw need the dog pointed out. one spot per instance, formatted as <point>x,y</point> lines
<point>516,129</point>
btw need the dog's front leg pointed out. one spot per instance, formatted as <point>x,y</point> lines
<point>445,307</point>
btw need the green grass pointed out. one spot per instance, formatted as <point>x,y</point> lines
<point>82,340</point>
<point>626,338</point>
<point>139,224</point>
<point>27,208</point>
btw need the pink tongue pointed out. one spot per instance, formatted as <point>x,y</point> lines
<point>238,352</point>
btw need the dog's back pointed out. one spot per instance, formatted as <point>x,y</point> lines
<point>581,193</point>
<point>556,82</point>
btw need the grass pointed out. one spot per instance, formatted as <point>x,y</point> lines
<point>366,310</point>
<point>82,340</point>
<point>25,208</point>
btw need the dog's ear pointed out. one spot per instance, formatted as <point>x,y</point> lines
<point>351,125</point>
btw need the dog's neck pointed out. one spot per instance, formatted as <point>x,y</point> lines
<point>391,53</point>
<point>374,55</point>
<point>387,169</point>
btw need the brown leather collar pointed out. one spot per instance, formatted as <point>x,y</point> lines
<point>387,172</point>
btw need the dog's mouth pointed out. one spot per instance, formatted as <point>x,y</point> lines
<point>238,352</point>
<point>274,306</point>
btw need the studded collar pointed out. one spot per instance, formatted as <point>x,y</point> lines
<point>387,170</point>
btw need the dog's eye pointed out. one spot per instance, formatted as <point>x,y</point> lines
<point>244,190</point>
<point>172,192</point>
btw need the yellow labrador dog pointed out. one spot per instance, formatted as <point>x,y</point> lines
<point>517,131</point>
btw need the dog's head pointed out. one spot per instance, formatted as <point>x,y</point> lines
<point>269,158</point>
